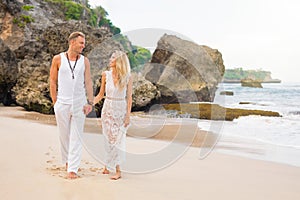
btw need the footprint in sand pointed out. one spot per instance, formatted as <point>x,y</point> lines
<point>88,168</point>
<point>53,169</point>
<point>57,171</point>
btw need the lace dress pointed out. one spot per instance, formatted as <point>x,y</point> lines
<point>113,115</point>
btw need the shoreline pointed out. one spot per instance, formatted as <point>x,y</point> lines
<point>31,169</point>
<point>168,129</point>
<point>164,129</point>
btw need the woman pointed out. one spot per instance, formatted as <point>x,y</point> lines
<point>117,84</point>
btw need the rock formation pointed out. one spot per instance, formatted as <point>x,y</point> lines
<point>180,71</point>
<point>27,50</point>
<point>216,112</point>
<point>251,83</point>
<point>144,92</point>
<point>228,93</point>
<point>8,73</point>
<point>184,71</point>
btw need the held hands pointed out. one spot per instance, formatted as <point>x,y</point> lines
<point>87,109</point>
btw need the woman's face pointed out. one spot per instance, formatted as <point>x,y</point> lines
<point>112,61</point>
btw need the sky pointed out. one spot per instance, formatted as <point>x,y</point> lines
<point>252,34</point>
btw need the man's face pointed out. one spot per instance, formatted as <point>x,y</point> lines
<point>78,44</point>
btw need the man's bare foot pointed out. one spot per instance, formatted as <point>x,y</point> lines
<point>105,171</point>
<point>116,176</point>
<point>72,175</point>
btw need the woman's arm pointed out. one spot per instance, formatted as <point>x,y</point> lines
<point>100,95</point>
<point>129,102</point>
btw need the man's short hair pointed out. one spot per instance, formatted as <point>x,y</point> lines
<point>74,35</point>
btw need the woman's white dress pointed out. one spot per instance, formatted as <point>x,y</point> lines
<point>113,115</point>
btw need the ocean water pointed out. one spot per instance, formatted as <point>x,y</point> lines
<point>268,138</point>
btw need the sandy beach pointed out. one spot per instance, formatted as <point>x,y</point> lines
<point>30,167</point>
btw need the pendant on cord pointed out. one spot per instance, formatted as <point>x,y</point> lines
<point>72,68</point>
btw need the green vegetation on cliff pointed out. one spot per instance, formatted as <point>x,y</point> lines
<point>239,74</point>
<point>138,56</point>
<point>22,20</point>
<point>97,17</point>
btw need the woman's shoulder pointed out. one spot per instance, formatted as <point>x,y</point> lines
<point>106,72</point>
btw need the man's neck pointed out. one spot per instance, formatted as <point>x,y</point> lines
<point>72,55</point>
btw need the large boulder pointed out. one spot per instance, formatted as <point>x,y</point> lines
<point>184,71</point>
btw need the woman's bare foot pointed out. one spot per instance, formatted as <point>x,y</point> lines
<point>105,171</point>
<point>72,175</point>
<point>116,176</point>
<point>118,173</point>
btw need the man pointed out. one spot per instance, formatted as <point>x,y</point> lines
<point>70,80</point>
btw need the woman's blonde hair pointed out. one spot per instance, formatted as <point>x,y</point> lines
<point>122,68</point>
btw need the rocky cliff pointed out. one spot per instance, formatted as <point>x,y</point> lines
<point>184,71</point>
<point>29,38</point>
<point>28,47</point>
<point>8,73</point>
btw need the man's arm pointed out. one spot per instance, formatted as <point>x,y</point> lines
<point>53,77</point>
<point>88,81</point>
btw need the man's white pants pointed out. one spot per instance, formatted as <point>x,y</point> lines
<point>70,121</point>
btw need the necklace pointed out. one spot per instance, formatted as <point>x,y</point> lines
<point>72,68</point>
